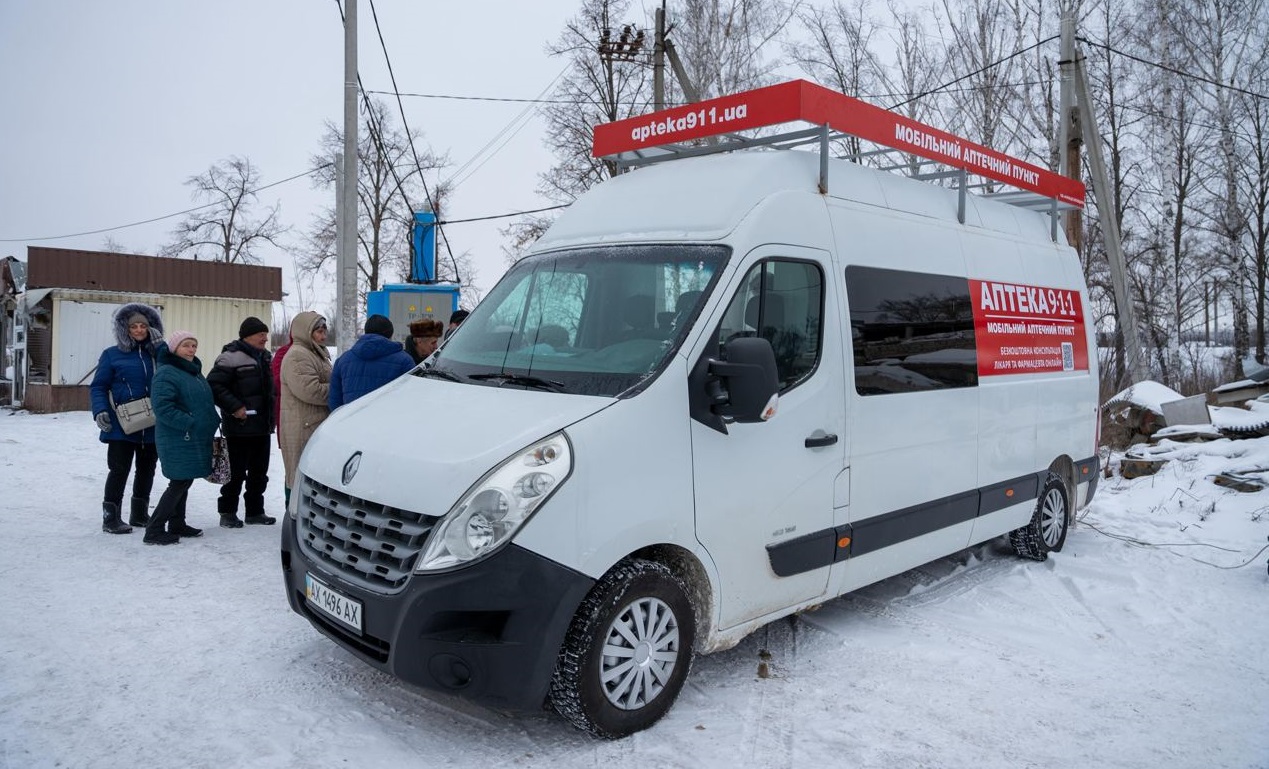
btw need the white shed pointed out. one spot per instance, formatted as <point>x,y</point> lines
<point>66,326</point>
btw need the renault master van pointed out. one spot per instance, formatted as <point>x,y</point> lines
<point>722,389</point>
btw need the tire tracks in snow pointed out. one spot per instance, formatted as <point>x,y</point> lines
<point>774,736</point>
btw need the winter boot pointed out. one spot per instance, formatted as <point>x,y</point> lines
<point>260,519</point>
<point>182,529</point>
<point>140,515</point>
<point>155,533</point>
<point>179,527</point>
<point>230,521</point>
<point>111,523</point>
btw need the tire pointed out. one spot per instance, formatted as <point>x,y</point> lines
<point>640,613</point>
<point>1046,533</point>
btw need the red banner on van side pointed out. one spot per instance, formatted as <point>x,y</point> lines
<point>1027,329</point>
<point>800,100</point>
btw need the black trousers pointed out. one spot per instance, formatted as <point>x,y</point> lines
<point>119,461</point>
<point>249,467</point>
<point>171,507</point>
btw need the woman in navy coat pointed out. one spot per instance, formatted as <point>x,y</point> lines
<point>124,372</point>
<point>186,423</point>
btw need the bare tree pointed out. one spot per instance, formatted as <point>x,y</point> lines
<point>721,43</point>
<point>986,35</point>
<point>601,83</point>
<point>1254,185</point>
<point>840,55</point>
<point>226,229</point>
<point>389,190</point>
<point>1222,40</point>
<point>115,247</point>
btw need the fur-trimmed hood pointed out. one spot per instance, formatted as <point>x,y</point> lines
<point>123,340</point>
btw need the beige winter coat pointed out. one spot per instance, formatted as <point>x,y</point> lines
<point>305,385</point>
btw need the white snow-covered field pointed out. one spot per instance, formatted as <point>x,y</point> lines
<point>1145,643</point>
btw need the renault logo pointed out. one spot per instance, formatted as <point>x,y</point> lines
<point>350,467</point>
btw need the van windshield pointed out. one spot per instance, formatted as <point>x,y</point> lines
<point>591,321</point>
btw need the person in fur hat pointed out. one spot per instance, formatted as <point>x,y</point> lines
<point>425,334</point>
<point>124,373</point>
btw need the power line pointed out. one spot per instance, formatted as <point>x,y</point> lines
<point>481,98</point>
<point>504,216</point>
<point>309,172</point>
<point>978,71</point>
<point>521,118</point>
<point>584,102</point>
<point>410,138</point>
<point>1173,70</point>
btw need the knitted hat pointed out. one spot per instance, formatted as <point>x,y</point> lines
<point>137,317</point>
<point>425,327</point>
<point>175,338</point>
<point>250,326</point>
<point>378,324</point>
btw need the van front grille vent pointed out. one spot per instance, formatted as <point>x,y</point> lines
<point>368,544</point>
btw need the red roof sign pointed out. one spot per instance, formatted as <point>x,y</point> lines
<point>801,100</point>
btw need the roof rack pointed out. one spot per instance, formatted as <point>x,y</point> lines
<point>660,136</point>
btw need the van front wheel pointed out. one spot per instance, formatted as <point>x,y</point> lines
<point>1046,533</point>
<point>627,651</point>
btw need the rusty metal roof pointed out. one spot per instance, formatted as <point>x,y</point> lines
<point>132,273</point>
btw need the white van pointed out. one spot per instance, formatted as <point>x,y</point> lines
<point>713,396</point>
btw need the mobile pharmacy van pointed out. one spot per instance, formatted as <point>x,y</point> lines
<point>723,389</point>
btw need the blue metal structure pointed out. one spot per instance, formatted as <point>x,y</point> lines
<point>422,296</point>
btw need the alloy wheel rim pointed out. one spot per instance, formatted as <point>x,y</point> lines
<point>641,649</point>
<point>1052,517</point>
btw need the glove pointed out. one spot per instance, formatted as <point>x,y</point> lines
<point>103,422</point>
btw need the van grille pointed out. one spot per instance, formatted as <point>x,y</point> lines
<point>368,544</point>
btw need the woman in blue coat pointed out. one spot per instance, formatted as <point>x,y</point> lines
<point>186,423</point>
<point>124,372</point>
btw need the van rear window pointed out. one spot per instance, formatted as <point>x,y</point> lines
<point>910,331</point>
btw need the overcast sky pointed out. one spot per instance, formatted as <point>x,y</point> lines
<point>107,108</point>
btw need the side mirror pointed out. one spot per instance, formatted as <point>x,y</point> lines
<point>745,384</point>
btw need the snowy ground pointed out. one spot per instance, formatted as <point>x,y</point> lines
<point>1145,643</point>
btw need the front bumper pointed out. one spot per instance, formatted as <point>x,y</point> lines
<point>490,632</point>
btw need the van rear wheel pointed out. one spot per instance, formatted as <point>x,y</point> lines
<point>1046,533</point>
<point>627,651</point>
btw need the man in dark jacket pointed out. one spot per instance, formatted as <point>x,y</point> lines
<point>372,362</point>
<point>242,382</point>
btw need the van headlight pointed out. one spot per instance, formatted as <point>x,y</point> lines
<point>491,512</point>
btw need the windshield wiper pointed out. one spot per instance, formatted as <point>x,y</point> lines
<point>521,379</point>
<point>439,373</point>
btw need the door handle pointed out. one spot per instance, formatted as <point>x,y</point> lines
<point>819,441</point>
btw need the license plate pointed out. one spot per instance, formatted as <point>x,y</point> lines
<point>344,610</point>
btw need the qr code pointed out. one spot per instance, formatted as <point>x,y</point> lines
<point>1068,356</point>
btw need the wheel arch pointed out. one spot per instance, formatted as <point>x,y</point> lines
<point>1064,468</point>
<point>687,567</point>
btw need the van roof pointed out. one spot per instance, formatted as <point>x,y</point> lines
<point>706,198</point>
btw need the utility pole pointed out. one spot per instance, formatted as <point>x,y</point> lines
<point>346,220</point>
<point>658,60</point>
<point>1137,365</point>
<point>1069,124</point>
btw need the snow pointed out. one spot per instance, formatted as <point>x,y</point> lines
<point>1142,644</point>
<point>1147,395</point>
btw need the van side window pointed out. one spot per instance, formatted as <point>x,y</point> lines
<point>910,331</point>
<point>783,302</point>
